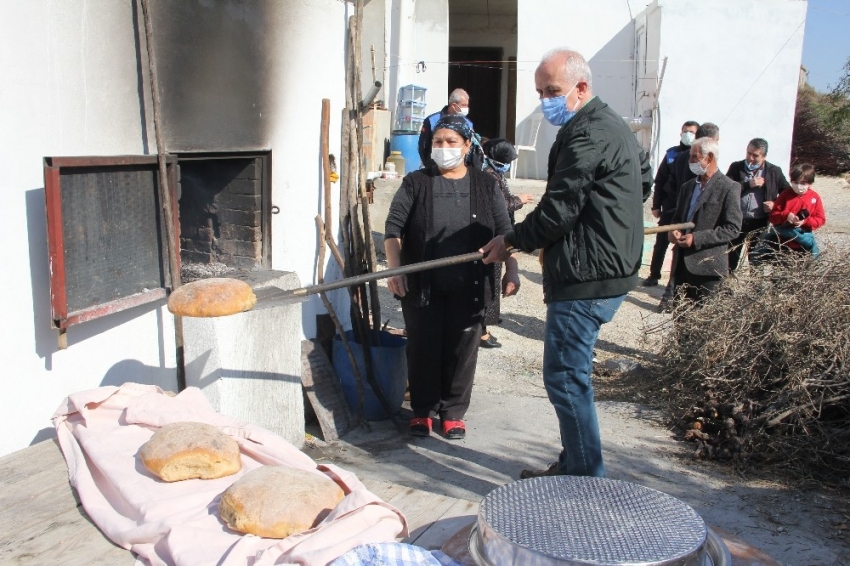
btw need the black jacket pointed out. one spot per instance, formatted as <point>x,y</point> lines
<point>664,197</point>
<point>680,173</point>
<point>774,179</point>
<point>590,220</point>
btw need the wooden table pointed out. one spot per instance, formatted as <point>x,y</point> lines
<point>43,522</point>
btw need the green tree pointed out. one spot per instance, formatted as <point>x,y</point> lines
<point>822,127</point>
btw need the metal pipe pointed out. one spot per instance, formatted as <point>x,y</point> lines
<point>371,95</point>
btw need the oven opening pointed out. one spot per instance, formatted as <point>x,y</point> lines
<point>225,214</point>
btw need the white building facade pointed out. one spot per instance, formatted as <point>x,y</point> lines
<point>250,76</point>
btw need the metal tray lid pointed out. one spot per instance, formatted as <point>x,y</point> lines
<point>587,521</point>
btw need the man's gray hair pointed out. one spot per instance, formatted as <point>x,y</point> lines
<point>760,144</point>
<point>706,146</point>
<point>708,130</point>
<point>457,96</point>
<point>576,68</point>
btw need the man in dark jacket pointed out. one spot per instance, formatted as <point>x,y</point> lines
<point>458,105</point>
<point>710,200</point>
<point>664,200</point>
<point>589,225</point>
<point>680,173</point>
<point>761,182</point>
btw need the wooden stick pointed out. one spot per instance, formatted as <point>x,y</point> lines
<point>338,325</point>
<point>165,195</point>
<point>326,166</point>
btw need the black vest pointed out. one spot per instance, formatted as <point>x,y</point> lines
<point>418,234</point>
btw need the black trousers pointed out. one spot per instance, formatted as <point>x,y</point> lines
<point>661,245</point>
<point>697,287</point>
<point>748,226</point>
<point>442,352</point>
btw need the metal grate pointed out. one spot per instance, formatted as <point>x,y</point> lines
<point>112,234</point>
<point>579,520</point>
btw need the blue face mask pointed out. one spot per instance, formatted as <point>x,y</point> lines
<point>555,109</point>
<point>751,166</point>
<point>500,167</point>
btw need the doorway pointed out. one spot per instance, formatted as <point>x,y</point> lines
<point>478,70</point>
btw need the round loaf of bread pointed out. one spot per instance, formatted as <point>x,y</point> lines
<point>276,501</point>
<point>182,451</point>
<point>217,296</point>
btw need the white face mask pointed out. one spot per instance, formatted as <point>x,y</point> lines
<point>800,188</point>
<point>447,157</point>
<point>688,138</point>
<point>697,168</point>
<point>464,111</point>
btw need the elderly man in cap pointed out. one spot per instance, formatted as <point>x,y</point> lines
<point>589,226</point>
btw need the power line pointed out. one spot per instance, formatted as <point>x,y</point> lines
<point>743,96</point>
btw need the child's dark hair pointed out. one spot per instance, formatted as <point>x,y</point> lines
<point>803,173</point>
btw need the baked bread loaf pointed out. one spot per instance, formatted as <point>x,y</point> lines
<point>277,501</point>
<point>182,451</point>
<point>218,296</point>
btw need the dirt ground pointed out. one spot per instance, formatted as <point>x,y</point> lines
<point>511,425</point>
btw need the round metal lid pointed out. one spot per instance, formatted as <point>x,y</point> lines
<point>587,521</point>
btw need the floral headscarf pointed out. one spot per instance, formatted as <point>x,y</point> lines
<point>461,125</point>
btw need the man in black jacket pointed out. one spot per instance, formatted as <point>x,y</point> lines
<point>761,182</point>
<point>664,200</point>
<point>589,226</point>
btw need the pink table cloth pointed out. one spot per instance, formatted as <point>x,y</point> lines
<point>100,433</point>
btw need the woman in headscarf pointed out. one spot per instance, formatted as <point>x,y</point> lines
<point>499,153</point>
<point>442,211</point>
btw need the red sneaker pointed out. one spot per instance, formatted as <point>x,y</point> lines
<point>420,427</point>
<point>454,430</point>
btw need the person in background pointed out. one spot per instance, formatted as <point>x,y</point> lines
<point>664,200</point>
<point>443,211</point>
<point>761,182</point>
<point>712,201</point>
<point>589,228</point>
<point>797,213</point>
<point>680,173</point>
<point>458,106</point>
<point>499,153</point>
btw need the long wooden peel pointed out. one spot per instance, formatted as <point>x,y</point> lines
<point>273,297</point>
<point>668,228</point>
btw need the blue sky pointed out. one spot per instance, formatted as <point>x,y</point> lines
<point>826,44</point>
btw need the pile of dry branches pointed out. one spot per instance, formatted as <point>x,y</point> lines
<point>760,372</point>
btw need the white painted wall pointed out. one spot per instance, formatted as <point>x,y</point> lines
<point>500,31</point>
<point>721,67</point>
<point>602,31</point>
<point>739,75</point>
<point>432,44</point>
<point>308,70</point>
<point>418,31</point>
<point>71,87</point>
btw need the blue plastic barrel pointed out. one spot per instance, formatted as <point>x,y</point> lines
<point>408,144</point>
<point>389,364</point>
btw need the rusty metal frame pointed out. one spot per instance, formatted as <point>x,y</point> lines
<point>53,166</point>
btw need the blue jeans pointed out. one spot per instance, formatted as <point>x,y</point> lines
<point>571,331</point>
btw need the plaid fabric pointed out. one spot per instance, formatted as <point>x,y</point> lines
<point>393,554</point>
